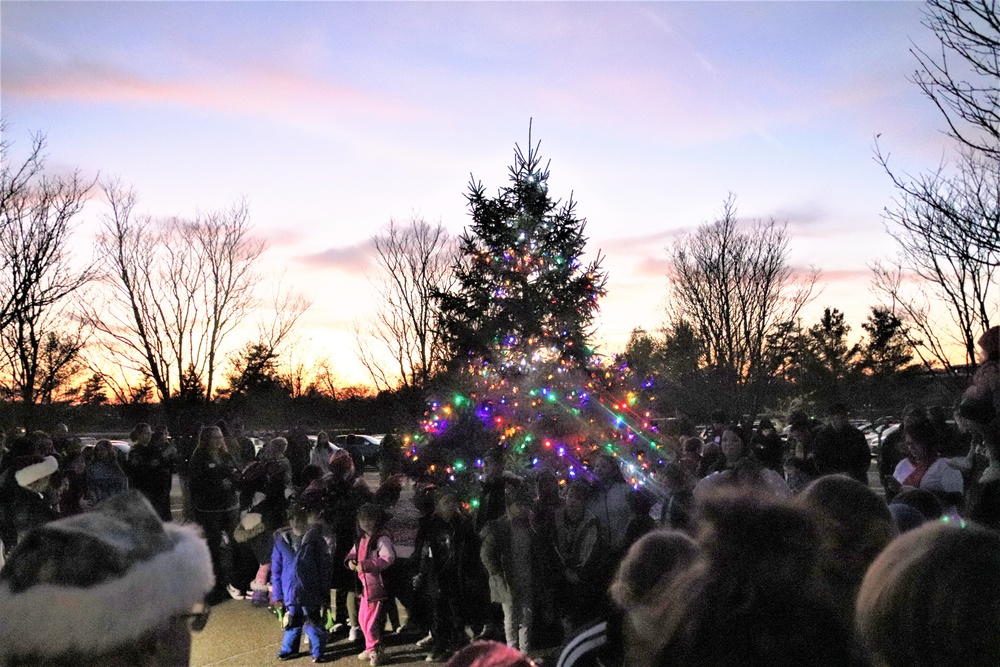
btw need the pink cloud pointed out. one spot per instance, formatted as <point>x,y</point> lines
<point>258,92</point>
<point>351,259</point>
<point>644,243</point>
<point>282,238</point>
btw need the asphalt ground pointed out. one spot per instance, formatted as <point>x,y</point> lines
<point>240,635</point>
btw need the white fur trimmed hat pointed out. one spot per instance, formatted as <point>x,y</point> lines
<point>37,468</point>
<point>94,582</point>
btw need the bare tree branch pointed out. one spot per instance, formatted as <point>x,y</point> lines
<point>734,286</point>
<point>402,342</point>
<point>173,291</point>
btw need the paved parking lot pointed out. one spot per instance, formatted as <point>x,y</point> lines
<point>240,635</point>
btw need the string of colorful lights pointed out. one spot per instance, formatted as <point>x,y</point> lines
<point>556,419</point>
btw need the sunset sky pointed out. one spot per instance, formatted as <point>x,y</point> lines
<point>332,118</point>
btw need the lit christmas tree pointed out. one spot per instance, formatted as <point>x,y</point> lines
<point>524,380</point>
<point>545,420</point>
<point>523,297</point>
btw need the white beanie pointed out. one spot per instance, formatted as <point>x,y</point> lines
<point>35,471</point>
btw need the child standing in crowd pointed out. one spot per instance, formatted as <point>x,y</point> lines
<point>300,582</point>
<point>372,554</point>
<point>449,553</point>
<point>509,554</point>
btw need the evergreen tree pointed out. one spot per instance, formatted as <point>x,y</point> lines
<point>887,349</point>
<point>825,361</point>
<point>518,322</point>
<point>523,296</point>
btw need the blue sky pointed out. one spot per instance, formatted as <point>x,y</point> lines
<point>331,118</point>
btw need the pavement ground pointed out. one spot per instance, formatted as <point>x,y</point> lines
<point>241,635</point>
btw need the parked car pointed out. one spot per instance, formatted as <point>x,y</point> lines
<point>123,446</point>
<point>363,447</point>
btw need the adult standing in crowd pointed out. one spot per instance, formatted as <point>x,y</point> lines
<point>26,500</point>
<point>891,450</point>
<point>151,463</point>
<point>742,469</point>
<point>390,457</point>
<point>321,452</point>
<point>925,468</point>
<point>579,550</point>
<point>298,452</point>
<point>105,476</point>
<point>842,448</point>
<point>212,476</point>
<point>767,445</point>
<point>245,451</point>
<point>266,487</point>
<point>611,503</point>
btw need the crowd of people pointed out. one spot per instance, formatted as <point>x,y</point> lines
<point>754,549</point>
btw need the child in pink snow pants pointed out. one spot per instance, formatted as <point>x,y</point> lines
<point>372,554</point>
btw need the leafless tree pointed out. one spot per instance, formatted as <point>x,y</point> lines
<point>40,357</point>
<point>325,379</point>
<point>37,275</point>
<point>956,207</point>
<point>962,78</point>
<point>942,282</point>
<point>947,221</point>
<point>174,290</point>
<point>37,213</point>
<point>732,283</point>
<point>402,345</point>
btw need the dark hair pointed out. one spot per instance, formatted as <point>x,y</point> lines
<point>442,493</point>
<point>738,430</point>
<point>839,410</point>
<point>855,526</point>
<point>755,592</point>
<point>297,512</point>
<point>223,427</point>
<point>134,435</point>
<point>655,557</point>
<point>693,444</point>
<point>519,494</point>
<point>375,513</point>
<point>799,420</point>
<point>922,500</point>
<point>922,430</point>
<point>989,342</point>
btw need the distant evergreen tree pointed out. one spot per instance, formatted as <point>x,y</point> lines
<point>523,296</point>
<point>888,348</point>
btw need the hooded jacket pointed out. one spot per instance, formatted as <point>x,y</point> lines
<point>376,555</point>
<point>301,578</point>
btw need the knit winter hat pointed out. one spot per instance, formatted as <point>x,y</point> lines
<point>97,581</point>
<point>33,468</point>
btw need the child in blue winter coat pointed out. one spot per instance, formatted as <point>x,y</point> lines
<point>371,555</point>
<point>300,582</point>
